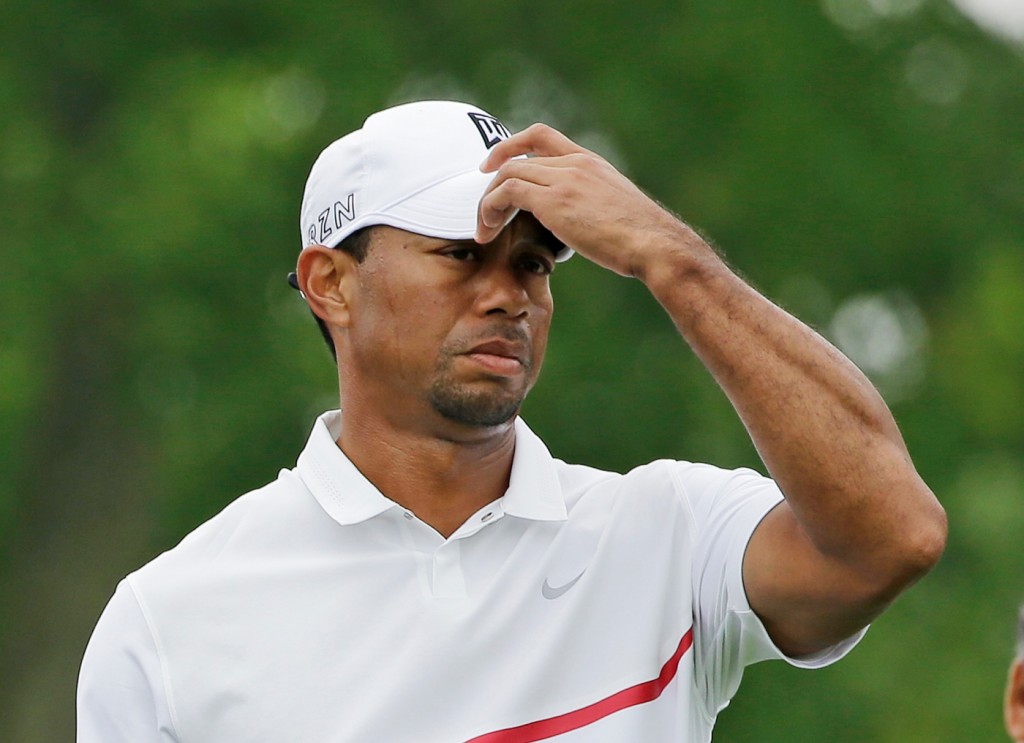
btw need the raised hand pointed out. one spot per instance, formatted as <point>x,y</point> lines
<point>580,197</point>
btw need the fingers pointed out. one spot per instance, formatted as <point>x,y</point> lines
<point>576,194</point>
<point>519,184</point>
<point>517,181</point>
<point>503,202</point>
<point>538,139</point>
<point>542,171</point>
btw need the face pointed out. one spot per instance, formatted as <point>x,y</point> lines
<point>450,328</point>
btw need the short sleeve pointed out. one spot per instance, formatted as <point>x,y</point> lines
<point>120,685</point>
<point>727,506</point>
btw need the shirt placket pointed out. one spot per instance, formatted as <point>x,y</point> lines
<point>443,557</point>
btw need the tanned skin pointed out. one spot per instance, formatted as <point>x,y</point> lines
<point>858,525</point>
<point>438,343</point>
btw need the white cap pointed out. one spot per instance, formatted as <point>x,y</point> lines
<point>415,166</point>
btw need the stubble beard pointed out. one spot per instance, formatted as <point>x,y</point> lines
<point>482,408</point>
<point>478,409</point>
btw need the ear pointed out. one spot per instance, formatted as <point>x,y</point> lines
<point>327,280</point>
<point>1013,707</point>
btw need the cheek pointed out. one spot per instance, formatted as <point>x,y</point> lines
<point>540,297</point>
<point>406,327</point>
<point>541,328</point>
<point>384,330</point>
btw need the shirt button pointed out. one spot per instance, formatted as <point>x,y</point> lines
<point>486,517</point>
<point>407,515</point>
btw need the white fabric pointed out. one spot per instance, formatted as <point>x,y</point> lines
<point>415,166</point>
<point>315,609</point>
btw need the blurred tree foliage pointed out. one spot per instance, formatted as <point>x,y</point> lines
<point>862,161</point>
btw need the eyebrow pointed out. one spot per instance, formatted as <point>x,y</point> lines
<point>543,239</point>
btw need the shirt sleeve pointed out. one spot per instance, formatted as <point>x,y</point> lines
<point>120,685</point>
<point>727,506</point>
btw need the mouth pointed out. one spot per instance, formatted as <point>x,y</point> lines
<point>500,357</point>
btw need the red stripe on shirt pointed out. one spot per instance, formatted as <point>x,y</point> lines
<point>648,691</point>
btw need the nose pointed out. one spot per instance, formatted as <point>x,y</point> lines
<point>501,291</point>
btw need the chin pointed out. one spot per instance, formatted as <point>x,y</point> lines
<point>479,410</point>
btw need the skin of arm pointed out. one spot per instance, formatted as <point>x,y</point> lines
<point>858,525</point>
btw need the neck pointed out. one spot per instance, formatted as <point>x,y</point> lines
<point>443,476</point>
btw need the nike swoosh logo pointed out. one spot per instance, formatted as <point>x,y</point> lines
<point>553,592</point>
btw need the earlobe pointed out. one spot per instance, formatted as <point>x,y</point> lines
<point>326,280</point>
<point>1013,708</point>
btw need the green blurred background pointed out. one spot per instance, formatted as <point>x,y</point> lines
<point>861,161</point>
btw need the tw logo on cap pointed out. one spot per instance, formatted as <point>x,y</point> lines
<point>492,130</point>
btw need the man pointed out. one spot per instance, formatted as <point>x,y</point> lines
<point>1013,704</point>
<point>428,571</point>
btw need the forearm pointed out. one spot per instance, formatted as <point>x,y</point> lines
<point>858,524</point>
<point>822,430</point>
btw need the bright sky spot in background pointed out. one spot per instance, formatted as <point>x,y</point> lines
<point>1001,17</point>
<point>858,15</point>
<point>293,102</point>
<point>937,71</point>
<point>887,337</point>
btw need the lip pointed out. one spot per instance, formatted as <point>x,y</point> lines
<point>500,347</point>
<point>499,356</point>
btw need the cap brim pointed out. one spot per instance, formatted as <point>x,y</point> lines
<point>447,209</point>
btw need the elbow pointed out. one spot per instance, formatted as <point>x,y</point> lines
<point>919,548</point>
<point>928,542</point>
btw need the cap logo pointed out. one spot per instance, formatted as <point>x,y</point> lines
<point>492,130</point>
<point>332,218</point>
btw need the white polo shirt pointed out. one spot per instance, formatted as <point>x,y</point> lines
<point>581,606</point>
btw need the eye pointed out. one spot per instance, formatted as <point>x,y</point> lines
<point>536,264</point>
<point>463,253</point>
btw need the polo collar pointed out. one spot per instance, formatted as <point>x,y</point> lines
<point>337,484</point>
<point>534,490</point>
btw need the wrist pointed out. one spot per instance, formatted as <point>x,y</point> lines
<point>674,258</point>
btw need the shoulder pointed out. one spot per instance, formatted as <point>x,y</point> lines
<point>652,488</point>
<point>251,528</point>
<point>700,492</point>
<point>660,477</point>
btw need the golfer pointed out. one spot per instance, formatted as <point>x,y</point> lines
<point>429,571</point>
